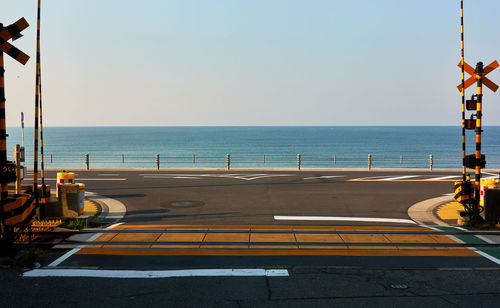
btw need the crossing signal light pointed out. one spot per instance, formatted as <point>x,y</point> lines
<point>471,104</point>
<point>471,161</point>
<point>470,123</point>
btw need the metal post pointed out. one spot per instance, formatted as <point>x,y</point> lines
<point>263,159</point>
<point>479,72</point>
<point>431,161</point>
<point>228,161</point>
<point>463,87</point>
<point>37,104</point>
<point>298,161</point>
<point>51,158</point>
<point>369,162</point>
<point>334,158</point>
<point>3,134</point>
<point>158,161</point>
<point>123,158</point>
<point>194,159</point>
<point>17,161</point>
<point>87,161</point>
<point>401,159</point>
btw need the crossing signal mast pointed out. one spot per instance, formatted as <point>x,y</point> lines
<point>466,192</point>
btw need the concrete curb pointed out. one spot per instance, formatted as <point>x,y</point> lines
<point>423,212</point>
<point>112,210</point>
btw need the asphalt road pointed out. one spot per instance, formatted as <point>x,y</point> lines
<point>370,277</point>
<point>242,197</point>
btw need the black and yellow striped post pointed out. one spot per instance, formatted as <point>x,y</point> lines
<point>42,167</point>
<point>7,169</point>
<point>3,147</point>
<point>479,96</point>
<point>3,134</point>
<point>463,86</point>
<point>37,100</point>
<point>10,32</point>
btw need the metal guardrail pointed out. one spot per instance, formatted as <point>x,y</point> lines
<point>228,161</point>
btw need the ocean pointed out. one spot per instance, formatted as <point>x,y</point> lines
<point>256,147</point>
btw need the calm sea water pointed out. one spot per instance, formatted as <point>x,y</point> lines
<point>317,145</point>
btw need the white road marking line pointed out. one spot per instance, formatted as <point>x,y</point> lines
<point>74,250</point>
<point>450,194</point>
<point>371,178</point>
<point>492,174</point>
<point>400,178</point>
<point>487,256</point>
<point>324,177</point>
<point>171,177</point>
<point>245,177</point>
<point>155,274</point>
<point>443,178</point>
<point>332,218</point>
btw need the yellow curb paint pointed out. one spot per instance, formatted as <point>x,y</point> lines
<point>450,210</point>
<point>90,208</point>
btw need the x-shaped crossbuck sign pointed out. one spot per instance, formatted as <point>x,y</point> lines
<point>470,70</point>
<point>9,32</point>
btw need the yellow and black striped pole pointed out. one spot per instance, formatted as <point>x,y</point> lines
<point>479,74</point>
<point>463,87</point>
<point>42,167</point>
<point>3,133</point>
<point>37,93</point>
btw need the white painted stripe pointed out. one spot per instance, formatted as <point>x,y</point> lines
<point>487,256</point>
<point>324,177</point>
<point>370,178</point>
<point>171,177</point>
<point>331,218</point>
<point>450,194</point>
<point>443,178</point>
<point>75,250</point>
<point>400,178</point>
<point>484,238</point>
<point>155,274</point>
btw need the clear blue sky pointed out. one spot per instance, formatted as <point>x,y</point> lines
<point>280,62</point>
